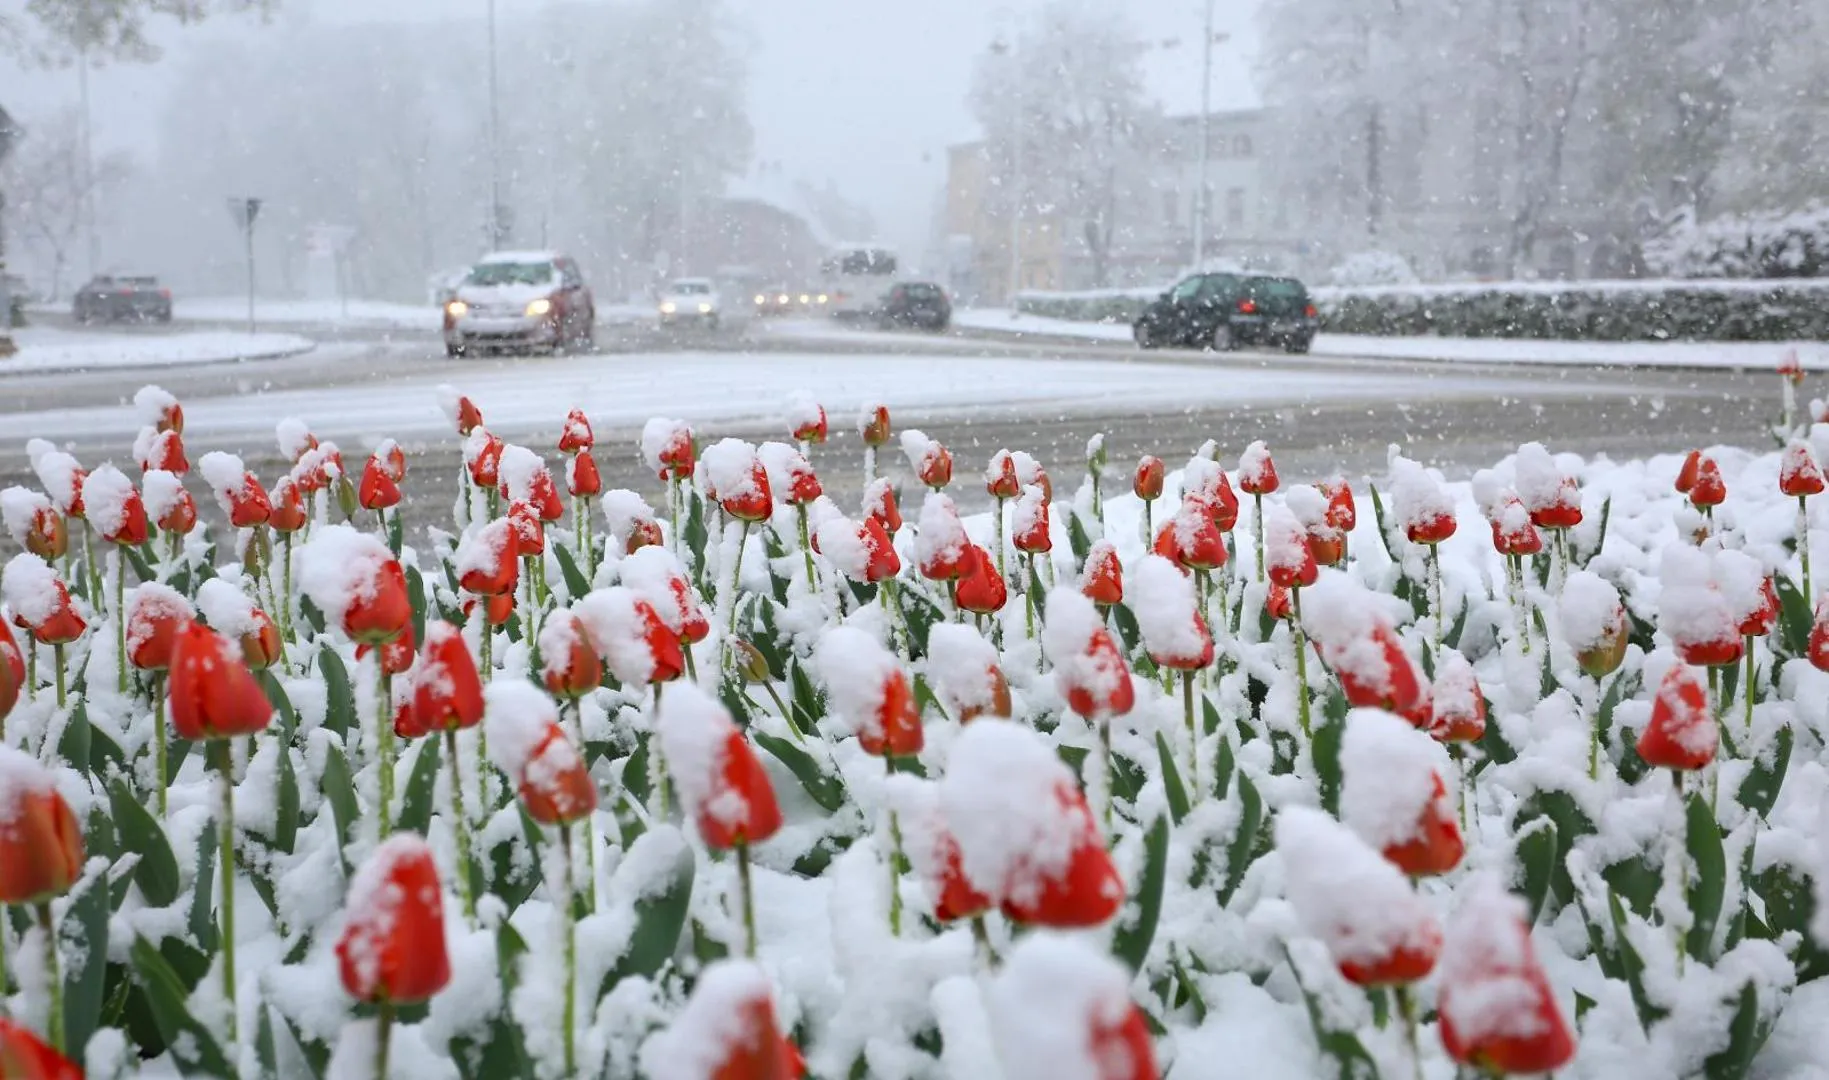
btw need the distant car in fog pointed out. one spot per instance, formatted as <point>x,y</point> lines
<point>523,300</point>
<point>690,302</point>
<point>920,304</point>
<point>1225,311</point>
<point>108,298</point>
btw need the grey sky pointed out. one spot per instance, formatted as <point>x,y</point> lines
<point>865,93</point>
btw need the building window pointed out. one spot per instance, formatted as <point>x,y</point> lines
<point>1241,146</point>
<point>1235,207</point>
<point>1171,209</point>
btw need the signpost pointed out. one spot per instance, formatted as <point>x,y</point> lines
<point>9,134</point>
<point>244,209</point>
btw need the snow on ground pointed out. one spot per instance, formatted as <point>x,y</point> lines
<point>364,313</point>
<point>1750,355</point>
<point>46,349</point>
<point>623,391</point>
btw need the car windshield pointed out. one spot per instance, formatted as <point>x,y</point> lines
<point>141,280</point>
<point>864,262</point>
<point>691,288</point>
<point>922,292</point>
<point>510,273</point>
<point>1278,289</point>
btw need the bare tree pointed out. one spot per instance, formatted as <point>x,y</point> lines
<point>47,185</point>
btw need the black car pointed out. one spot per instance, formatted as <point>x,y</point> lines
<point>919,304</point>
<point>1225,311</point>
<point>111,298</point>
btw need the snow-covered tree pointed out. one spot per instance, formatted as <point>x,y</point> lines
<point>46,185</point>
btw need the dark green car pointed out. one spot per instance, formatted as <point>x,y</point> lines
<point>1226,311</point>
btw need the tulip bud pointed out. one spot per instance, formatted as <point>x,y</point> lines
<point>751,664</point>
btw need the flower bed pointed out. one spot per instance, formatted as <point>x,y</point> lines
<point>1219,775</point>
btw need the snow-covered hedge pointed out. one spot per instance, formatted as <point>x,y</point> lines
<point>1770,245</point>
<point>1094,305</point>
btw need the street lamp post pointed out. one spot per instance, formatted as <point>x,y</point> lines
<point>1208,39</point>
<point>92,239</point>
<point>495,151</point>
<point>1008,48</point>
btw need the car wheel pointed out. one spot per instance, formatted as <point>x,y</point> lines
<point>456,352</point>
<point>1144,335</point>
<point>1299,346</point>
<point>1223,338</point>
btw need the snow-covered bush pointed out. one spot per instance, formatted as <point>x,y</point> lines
<point>1371,268</point>
<point>1779,244</point>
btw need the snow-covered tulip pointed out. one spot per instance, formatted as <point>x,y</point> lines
<point>448,690</point>
<point>41,842</point>
<point>487,561</point>
<point>861,551</point>
<point>1325,541</point>
<point>1682,733</point>
<point>529,532</point>
<point>1256,471</point>
<point>1089,668</point>
<point>1026,836</point>
<point>582,480</point>
<point>161,450</point>
<point>1457,706</point>
<point>287,511</point>
<point>629,632</point>
<point>873,425</point>
<point>394,657</point>
<point>1000,479</point>
<point>807,420</point>
<point>1360,645</point>
<point>932,851</point>
<point>1061,1008</point>
<point>931,462</point>
<point>1378,930</point>
<point>1513,533</point>
<point>734,472</point>
<point>115,508</point>
<point>155,613</point>
<point>295,439</point>
<point>1694,611</point>
<point>870,692</point>
<point>543,496</point>
<point>62,478</point>
<point>666,446</point>
<point>1102,579</point>
<point>483,457</point>
<point>965,673</point>
<point>530,747</point>
<point>1686,473</point>
<point>177,516</point>
<point>213,694</point>
<point>1709,489</point>
<point>13,674</point>
<point>570,667</point>
<point>1290,562</point>
<point>1763,615</point>
<point>1029,525</point>
<point>1798,473</point>
<point>721,783</point>
<point>981,590</point>
<point>1551,495</point>
<point>790,474</point>
<point>727,1031</point>
<point>1342,512</point>
<point>1277,602</point>
<point>159,408</point>
<point>40,601</point>
<point>260,644</point>
<point>576,435</point>
<point>1206,485</point>
<point>357,584</point>
<point>655,574</point>
<point>1393,796</point>
<point>1594,623</point>
<point>1495,1004</point>
<point>24,1056</point>
<point>237,490</point>
<point>1191,539</point>
<point>1818,650</point>
<point>942,550</point>
<point>44,532</point>
<point>392,950</point>
<point>465,415</point>
<point>880,503</point>
<point>378,491</point>
<point>1150,476</point>
<point>1173,629</point>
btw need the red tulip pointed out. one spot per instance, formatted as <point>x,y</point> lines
<point>154,617</point>
<point>164,451</point>
<point>1373,667</point>
<point>581,476</point>
<point>483,455</point>
<point>1709,489</point>
<point>287,511</point>
<point>1359,904</point>
<point>1341,512</point>
<point>1289,561</point>
<point>1513,533</point>
<point>749,500</point>
<point>1431,528</point>
<point>527,742</point>
<point>982,590</point>
<point>1723,650</point>
<point>879,503</point>
<point>448,689</point>
<point>1489,958</point>
<point>1029,529</point>
<point>41,602</point>
<point>379,610</point>
<point>1102,580</point>
<point>1209,488</point>
<point>630,634</point>
<point>577,437</point>
<point>1458,706</point>
<point>1277,602</point>
<point>544,496</point>
<point>936,467</point>
<point>393,460</point>
<point>48,537</point>
<point>1819,637</point>
<point>497,608</point>
<point>1191,540</point>
<point>1798,473</point>
<point>1087,891</point>
<point>180,517</point>
<point>733,999</point>
<point>393,946</point>
<point>810,427</point>
<point>1682,733</point>
<point>12,671</point>
<point>41,843</point>
<point>23,1056</point>
<point>529,533</point>
<point>1089,668</point>
<point>644,534</point>
<point>244,499</point>
<point>942,549</point>
<point>570,667</point>
<point>1000,478</point>
<point>1256,471</point>
<point>467,416</point>
<point>1686,475</point>
<point>115,508</point>
<point>260,647</point>
<point>486,561</point>
<point>378,490</point>
<point>213,694</point>
<point>1063,1008</point>
<point>873,425</point>
<point>957,898</point>
<point>1759,621</point>
<point>167,413</point>
<point>396,656</point>
<point>672,456</point>
<point>721,783</point>
<point>868,688</point>
<point>1561,512</point>
<point>1149,479</point>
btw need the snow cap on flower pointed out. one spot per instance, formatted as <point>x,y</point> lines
<point>1798,472</point>
<point>631,636</point>
<point>1495,1004</point>
<point>113,506</point>
<point>1357,641</point>
<point>1388,776</point>
<point>625,512</point>
<point>1167,614</point>
<point>32,589</point>
<point>347,574</point>
<point>19,510</point>
<point>789,473</point>
<point>159,408</point>
<point>806,418</point>
<point>526,743</point>
<point>1256,471</point>
<point>1357,902</point>
<point>873,423</point>
<point>941,546</point>
<point>460,410</point>
<point>965,672</point>
<point>869,691</point>
<point>60,476</point>
<point>734,476</point>
<point>1422,506</point>
<point>727,1031</point>
<point>720,782</point>
<point>666,447</point>
<point>1089,670</point>
<point>294,438</point>
<point>393,944</point>
<point>1061,1010</point>
<point>1705,596</point>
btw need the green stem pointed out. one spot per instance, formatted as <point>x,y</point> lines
<point>485,638</point>
<point>120,619</point>
<point>95,573</point>
<point>657,762</point>
<point>530,612</point>
<point>1031,598</point>
<point>1752,673</point>
<point>981,933</point>
<point>736,580</point>
<point>384,743</point>
<point>589,542</point>
<point>1098,506</point>
<point>1257,530</point>
<point>1110,769</point>
<point>1803,545</point>
<point>53,977</point>
<point>1149,531</point>
<point>384,1033</point>
<point>806,549</point>
<point>787,714</point>
<point>569,924</point>
<point>997,534</point>
<point>161,779</point>
<point>461,825</point>
<point>1187,706</point>
<point>57,652</point>
<point>285,596</point>
<point>1301,644</point>
<point>748,899</point>
<point>222,759</point>
<point>590,829</point>
<point>894,857</point>
<point>1679,858</point>
<point>1441,603</point>
<point>1406,1007</point>
<point>1594,738</point>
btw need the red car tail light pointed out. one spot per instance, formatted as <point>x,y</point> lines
<point>1247,307</point>
<point>1310,311</point>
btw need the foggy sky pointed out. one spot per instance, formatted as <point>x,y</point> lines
<point>865,93</point>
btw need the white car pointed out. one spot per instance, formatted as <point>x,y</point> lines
<point>690,302</point>
<point>521,300</point>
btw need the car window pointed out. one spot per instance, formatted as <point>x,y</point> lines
<point>1217,286</point>
<point>1187,289</point>
<point>141,280</point>
<point>510,273</point>
<point>1278,289</point>
<point>922,291</point>
<point>691,288</point>
<point>569,274</point>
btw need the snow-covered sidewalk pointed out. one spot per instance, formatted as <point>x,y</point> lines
<point>43,349</point>
<point>369,314</point>
<point>1743,355</point>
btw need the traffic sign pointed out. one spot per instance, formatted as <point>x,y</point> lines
<point>244,211</point>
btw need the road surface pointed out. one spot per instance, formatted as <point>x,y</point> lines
<point>1320,416</point>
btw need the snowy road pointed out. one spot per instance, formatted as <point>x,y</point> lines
<point>1322,414</point>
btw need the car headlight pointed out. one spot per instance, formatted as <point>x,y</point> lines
<point>536,308</point>
<point>457,309</point>
<point>822,298</point>
<point>761,299</point>
<point>782,299</point>
<point>805,299</point>
<point>704,309</point>
<point>669,308</point>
